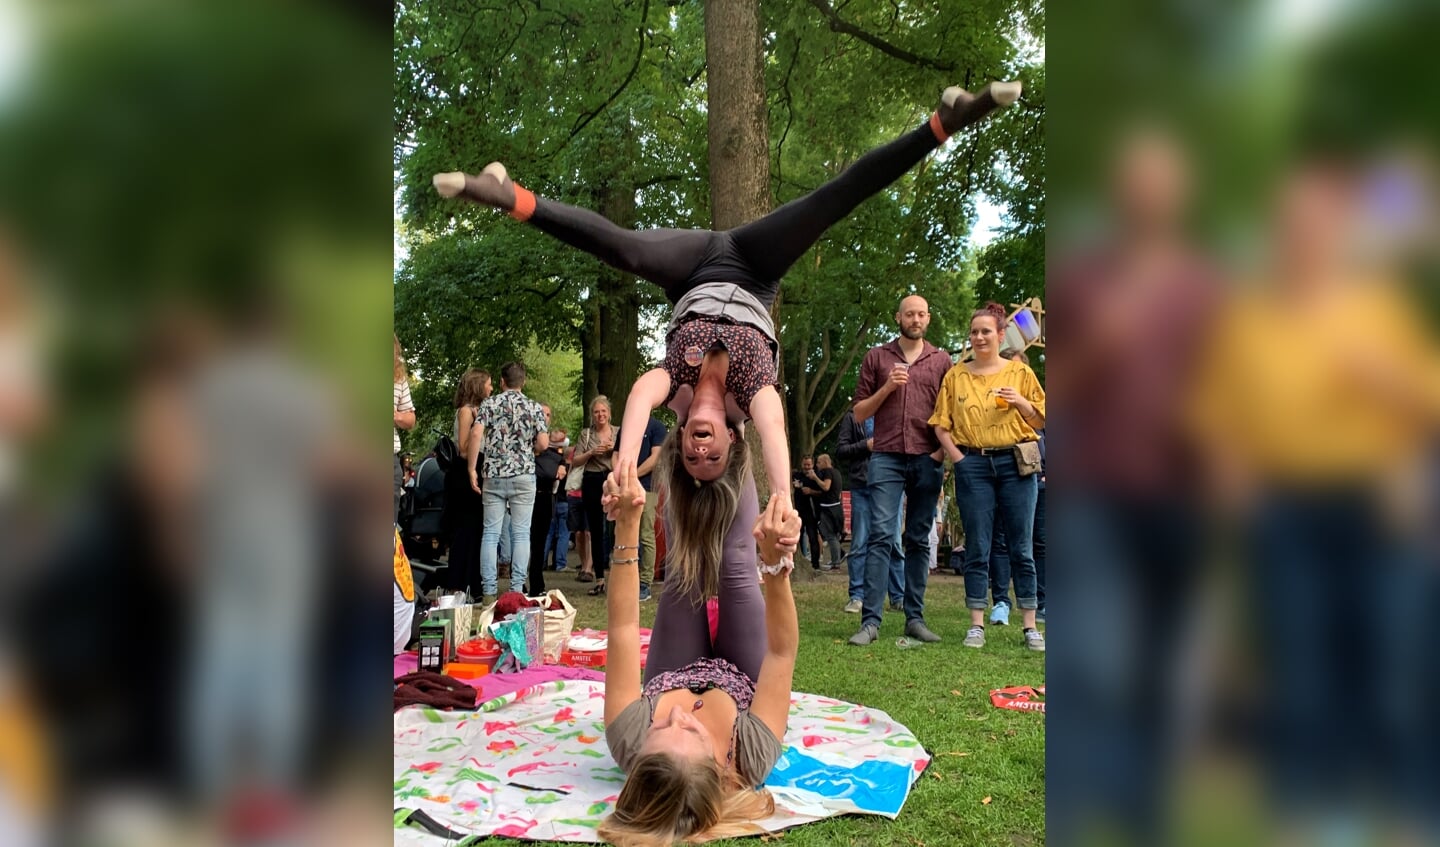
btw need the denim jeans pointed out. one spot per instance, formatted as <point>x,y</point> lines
<point>506,536</point>
<point>1037,542</point>
<point>987,489</point>
<point>1134,567</point>
<point>513,496</point>
<point>999,563</point>
<point>892,475</point>
<point>859,539</point>
<point>896,583</point>
<point>559,537</point>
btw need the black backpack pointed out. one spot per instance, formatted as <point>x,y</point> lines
<point>447,453</point>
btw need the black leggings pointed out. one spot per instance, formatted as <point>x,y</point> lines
<point>753,256</point>
<point>602,531</point>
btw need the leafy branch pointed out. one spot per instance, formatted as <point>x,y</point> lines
<point>838,24</point>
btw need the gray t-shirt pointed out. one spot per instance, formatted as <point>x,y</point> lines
<point>756,747</point>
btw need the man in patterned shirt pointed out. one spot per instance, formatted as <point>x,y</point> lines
<point>514,430</point>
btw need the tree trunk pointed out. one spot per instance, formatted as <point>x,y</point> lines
<point>739,137</point>
<point>618,307</point>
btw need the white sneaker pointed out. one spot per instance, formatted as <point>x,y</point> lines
<point>974,637</point>
<point>854,607</point>
<point>1034,641</point>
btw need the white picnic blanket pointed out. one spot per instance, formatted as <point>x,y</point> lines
<point>534,765</point>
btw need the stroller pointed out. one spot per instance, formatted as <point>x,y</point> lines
<point>421,506</point>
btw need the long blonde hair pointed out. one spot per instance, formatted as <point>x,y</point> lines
<point>401,375</point>
<point>668,800</point>
<point>700,514</point>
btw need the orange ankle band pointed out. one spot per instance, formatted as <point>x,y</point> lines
<point>937,128</point>
<point>524,204</point>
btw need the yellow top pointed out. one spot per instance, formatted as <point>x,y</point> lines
<point>966,406</point>
<point>1336,390</point>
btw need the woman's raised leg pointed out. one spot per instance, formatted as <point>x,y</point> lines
<point>773,243</point>
<point>663,256</point>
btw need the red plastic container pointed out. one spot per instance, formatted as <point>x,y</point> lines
<point>478,651</point>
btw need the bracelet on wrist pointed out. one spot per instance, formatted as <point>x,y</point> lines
<point>785,565</point>
<point>633,560</point>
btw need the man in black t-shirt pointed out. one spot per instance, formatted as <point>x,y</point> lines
<point>650,445</point>
<point>829,513</point>
<point>806,488</point>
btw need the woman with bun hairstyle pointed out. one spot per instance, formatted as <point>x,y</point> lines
<point>985,407</point>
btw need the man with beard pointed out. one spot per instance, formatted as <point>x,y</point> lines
<point>897,386</point>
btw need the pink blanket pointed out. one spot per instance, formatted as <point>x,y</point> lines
<point>499,684</point>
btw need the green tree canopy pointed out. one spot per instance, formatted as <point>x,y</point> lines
<point>602,104</point>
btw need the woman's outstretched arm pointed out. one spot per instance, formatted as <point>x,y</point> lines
<point>622,592</point>
<point>649,391</point>
<point>777,530</point>
<point>768,413</point>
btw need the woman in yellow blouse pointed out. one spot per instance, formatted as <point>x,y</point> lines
<point>986,407</point>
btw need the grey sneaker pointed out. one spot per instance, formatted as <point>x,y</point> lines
<point>1034,641</point>
<point>868,634</point>
<point>644,593</point>
<point>854,607</point>
<point>975,637</point>
<point>917,630</point>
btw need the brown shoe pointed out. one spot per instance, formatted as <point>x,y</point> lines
<point>585,576</point>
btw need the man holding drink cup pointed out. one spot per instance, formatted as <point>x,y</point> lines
<point>897,386</point>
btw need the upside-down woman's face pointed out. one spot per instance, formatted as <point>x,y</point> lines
<point>679,733</point>
<point>705,446</point>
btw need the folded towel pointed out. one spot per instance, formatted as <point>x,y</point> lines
<point>436,690</point>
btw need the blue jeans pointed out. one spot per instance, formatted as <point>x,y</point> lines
<point>1037,543</point>
<point>559,537</point>
<point>897,560</point>
<point>1000,556</point>
<point>990,489</point>
<point>859,539</point>
<point>506,536</point>
<point>891,476</point>
<point>513,496</point>
<point>999,564</point>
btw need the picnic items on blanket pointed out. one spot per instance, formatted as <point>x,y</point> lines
<point>437,691</point>
<point>514,647</point>
<point>585,651</point>
<point>558,620</point>
<point>533,764</point>
<point>479,651</point>
<point>436,643</point>
<point>507,604</point>
<point>467,670</point>
<point>1021,698</point>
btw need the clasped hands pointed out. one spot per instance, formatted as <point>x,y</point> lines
<point>777,529</point>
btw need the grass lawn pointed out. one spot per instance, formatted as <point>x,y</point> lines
<point>940,691</point>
